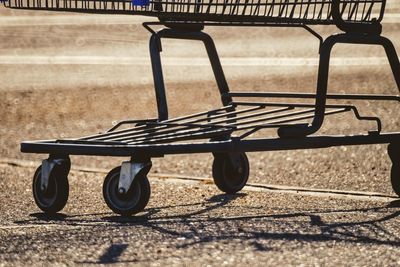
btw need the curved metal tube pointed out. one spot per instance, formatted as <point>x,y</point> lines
<point>373,27</point>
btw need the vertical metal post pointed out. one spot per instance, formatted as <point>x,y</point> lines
<point>155,50</point>
<point>302,130</point>
<point>216,67</point>
<point>323,73</point>
<point>393,59</point>
<point>322,84</point>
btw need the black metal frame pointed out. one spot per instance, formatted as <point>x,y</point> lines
<point>227,129</point>
<point>323,71</point>
<point>159,137</point>
<point>323,74</point>
<point>156,49</point>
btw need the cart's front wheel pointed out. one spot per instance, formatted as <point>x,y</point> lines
<point>230,172</point>
<point>53,198</point>
<point>131,202</point>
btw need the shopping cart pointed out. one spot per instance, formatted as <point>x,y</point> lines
<point>235,128</point>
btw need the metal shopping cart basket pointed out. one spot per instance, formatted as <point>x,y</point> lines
<point>227,132</point>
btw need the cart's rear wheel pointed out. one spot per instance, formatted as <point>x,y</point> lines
<point>54,198</point>
<point>394,154</point>
<point>230,172</point>
<point>395,178</point>
<point>131,202</point>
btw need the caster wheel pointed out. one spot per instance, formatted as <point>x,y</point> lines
<point>55,197</point>
<point>394,154</point>
<point>395,178</point>
<point>131,202</point>
<point>230,172</point>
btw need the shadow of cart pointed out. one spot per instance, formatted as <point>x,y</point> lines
<point>374,225</point>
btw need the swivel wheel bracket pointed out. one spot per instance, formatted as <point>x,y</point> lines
<point>129,171</point>
<point>47,167</point>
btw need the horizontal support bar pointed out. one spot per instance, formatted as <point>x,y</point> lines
<point>235,145</point>
<point>295,105</point>
<point>311,96</point>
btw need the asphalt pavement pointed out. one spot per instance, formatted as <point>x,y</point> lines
<point>188,222</point>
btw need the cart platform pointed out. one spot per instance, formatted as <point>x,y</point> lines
<point>232,128</point>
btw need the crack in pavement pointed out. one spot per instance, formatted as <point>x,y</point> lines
<point>174,178</point>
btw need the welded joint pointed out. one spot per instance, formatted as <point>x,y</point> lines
<point>315,34</point>
<point>154,33</point>
<point>129,172</point>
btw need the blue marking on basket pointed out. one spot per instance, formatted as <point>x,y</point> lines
<point>3,1</point>
<point>135,2</point>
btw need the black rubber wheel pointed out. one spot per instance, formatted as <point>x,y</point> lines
<point>394,154</point>
<point>132,202</point>
<point>395,178</point>
<point>230,176</point>
<point>55,197</point>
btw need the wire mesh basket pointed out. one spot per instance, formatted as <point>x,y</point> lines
<point>267,11</point>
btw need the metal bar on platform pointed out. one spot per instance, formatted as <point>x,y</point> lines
<point>190,128</point>
<point>164,127</point>
<point>310,96</point>
<point>141,127</point>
